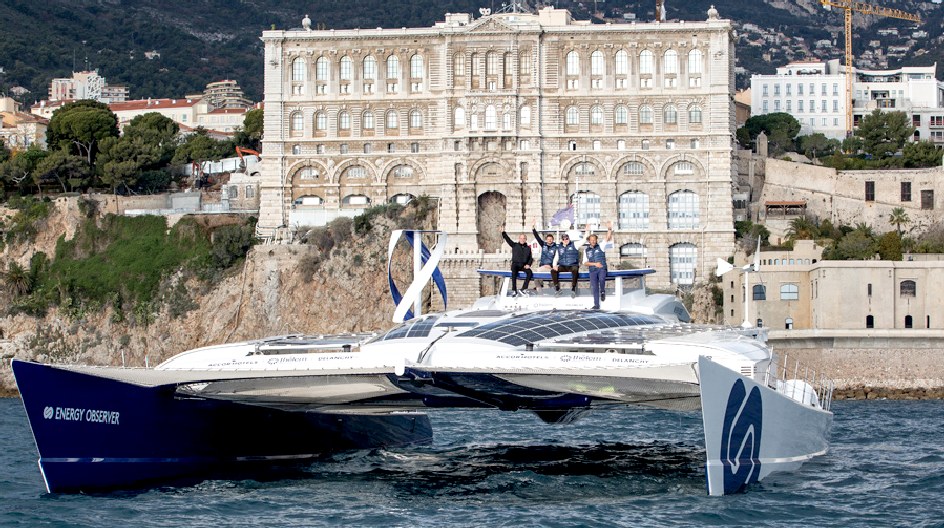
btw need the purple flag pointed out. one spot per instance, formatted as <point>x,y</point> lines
<point>566,213</point>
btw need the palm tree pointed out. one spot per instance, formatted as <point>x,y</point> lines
<point>898,218</point>
<point>18,279</point>
<point>802,228</point>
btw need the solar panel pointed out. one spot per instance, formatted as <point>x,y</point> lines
<point>420,328</point>
<point>539,326</point>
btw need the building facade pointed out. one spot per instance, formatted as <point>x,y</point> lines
<point>507,118</point>
<point>815,94</point>
<point>86,85</point>
<point>795,290</point>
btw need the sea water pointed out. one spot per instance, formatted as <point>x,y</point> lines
<point>616,467</point>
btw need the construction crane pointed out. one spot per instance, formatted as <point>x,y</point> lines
<point>860,7</point>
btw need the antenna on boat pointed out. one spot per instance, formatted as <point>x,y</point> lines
<point>425,267</point>
<point>724,267</point>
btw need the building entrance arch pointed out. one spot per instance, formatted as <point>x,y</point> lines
<point>491,211</point>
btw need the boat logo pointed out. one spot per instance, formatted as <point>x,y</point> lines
<point>741,435</point>
<point>48,412</point>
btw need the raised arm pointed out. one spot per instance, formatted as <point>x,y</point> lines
<point>507,238</point>
<point>609,231</point>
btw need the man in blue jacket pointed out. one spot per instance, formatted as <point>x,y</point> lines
<point>520,261</point>
<point>568,259</point>
<point>596,260</point>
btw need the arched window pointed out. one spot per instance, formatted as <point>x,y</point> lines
<point>597,66</point>
<point>760,292</point>
<point>621,115</point>
<point>682,260</point>
<point>321,122</point>
<point>694,114</point>
<point>670,115</point>
<point>308,173</point>
<point>391,122</point>
<point>296,123</point>
<point>402,171</point>
<point>670,62</point>
<point>393,67</point>
<point>354,172</point>
<point>573,64</point>
<point>355,200</point>
<point>525,115</point>
<point>645,115</point>
<point>298,70</point>
<point>476,64</point>
<point>344,120</point>
<point>683,168</point>
<point>572,117</point>
<point>587,203</point>
<point>524,63</point>
<point>694,61</point>
<point>492,63</point>
<point>367,120</point>
<point>585,169</point>
<point>458,118</point>
<point>634,210</point>
<point>310,199</point>
<point>789,292</point>
<point>907,288</point>
<point>596,116</point>
<point>347,68</point>
<point>788,323</point>
<point>370,68</point>
<point>647,63</point>
<point>416,119</point>
<point>506,121</point>
<point>633,250</point>
<point>622,62</point>
<point>416,66</point>
<point>491,118</point>
<point>909,322</point>
<point>401,199</point>
<point>633,168</point>
<point>506,64</point>
<point>870,321</point>
<point>683,210</point>
<point>321,69</point>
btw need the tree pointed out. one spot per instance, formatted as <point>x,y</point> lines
<point>17,172</point>
<point>158,133</point>
<point>898,218</point>
<point>69,171</point>
<point>884,133</point>
<point>802,228</point>
<point>780,128</point>
<point>4,152</point>
<point>817,144</point>
<point>18,279</point>
<point>888,246</point>
<point>922,154</point>
<point>199,146</point>
<point>251,134</point>
<point>857,245</point>
<point>80,126</point>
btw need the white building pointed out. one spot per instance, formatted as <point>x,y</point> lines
<point>815,94</point>
<point>86,85</point>
<point>505,119</point>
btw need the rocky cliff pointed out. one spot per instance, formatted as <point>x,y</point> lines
<point>335,283</point>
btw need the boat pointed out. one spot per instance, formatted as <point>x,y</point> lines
<point>292,398</point>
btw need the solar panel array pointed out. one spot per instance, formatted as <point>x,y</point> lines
<point>420,328</point>
<point>534,327</point>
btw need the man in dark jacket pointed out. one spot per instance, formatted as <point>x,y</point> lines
<point>548,251</point>
<point>520,261</point>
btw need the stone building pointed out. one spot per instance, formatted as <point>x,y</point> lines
<point>795,290</point>
<point>506,119</point>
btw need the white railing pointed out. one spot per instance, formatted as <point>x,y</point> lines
<point>799,382</point>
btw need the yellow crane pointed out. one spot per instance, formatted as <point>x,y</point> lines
<point>860,7</point>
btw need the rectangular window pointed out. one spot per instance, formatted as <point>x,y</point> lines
<point>765,90</point>
<point>835,88</point>
<point>916,120</point>
<point>870,191</point>
<point>777,105</point>
<point>927,199</point>
<point>800,105</point>
<point>869,289</point>
<point>788,88</point>
<point>906,191</point>
<point>766,109</point>
<point>776,89</point>
<point>799,88</point>
<point>835,105</point>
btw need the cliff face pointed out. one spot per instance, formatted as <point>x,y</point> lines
<point>278,289</point>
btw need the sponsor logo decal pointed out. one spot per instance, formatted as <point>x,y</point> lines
<point>740,437</point>
<point>73,414</point>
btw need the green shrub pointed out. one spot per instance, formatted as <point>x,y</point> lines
<point>23,227</point>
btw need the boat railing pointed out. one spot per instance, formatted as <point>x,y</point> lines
<point>787,376</point>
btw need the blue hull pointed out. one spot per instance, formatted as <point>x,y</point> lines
<point>95,433</point>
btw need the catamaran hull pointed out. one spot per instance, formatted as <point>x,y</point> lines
<point>95,433</point>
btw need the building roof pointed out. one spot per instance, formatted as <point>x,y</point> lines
<point>145,104</point>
